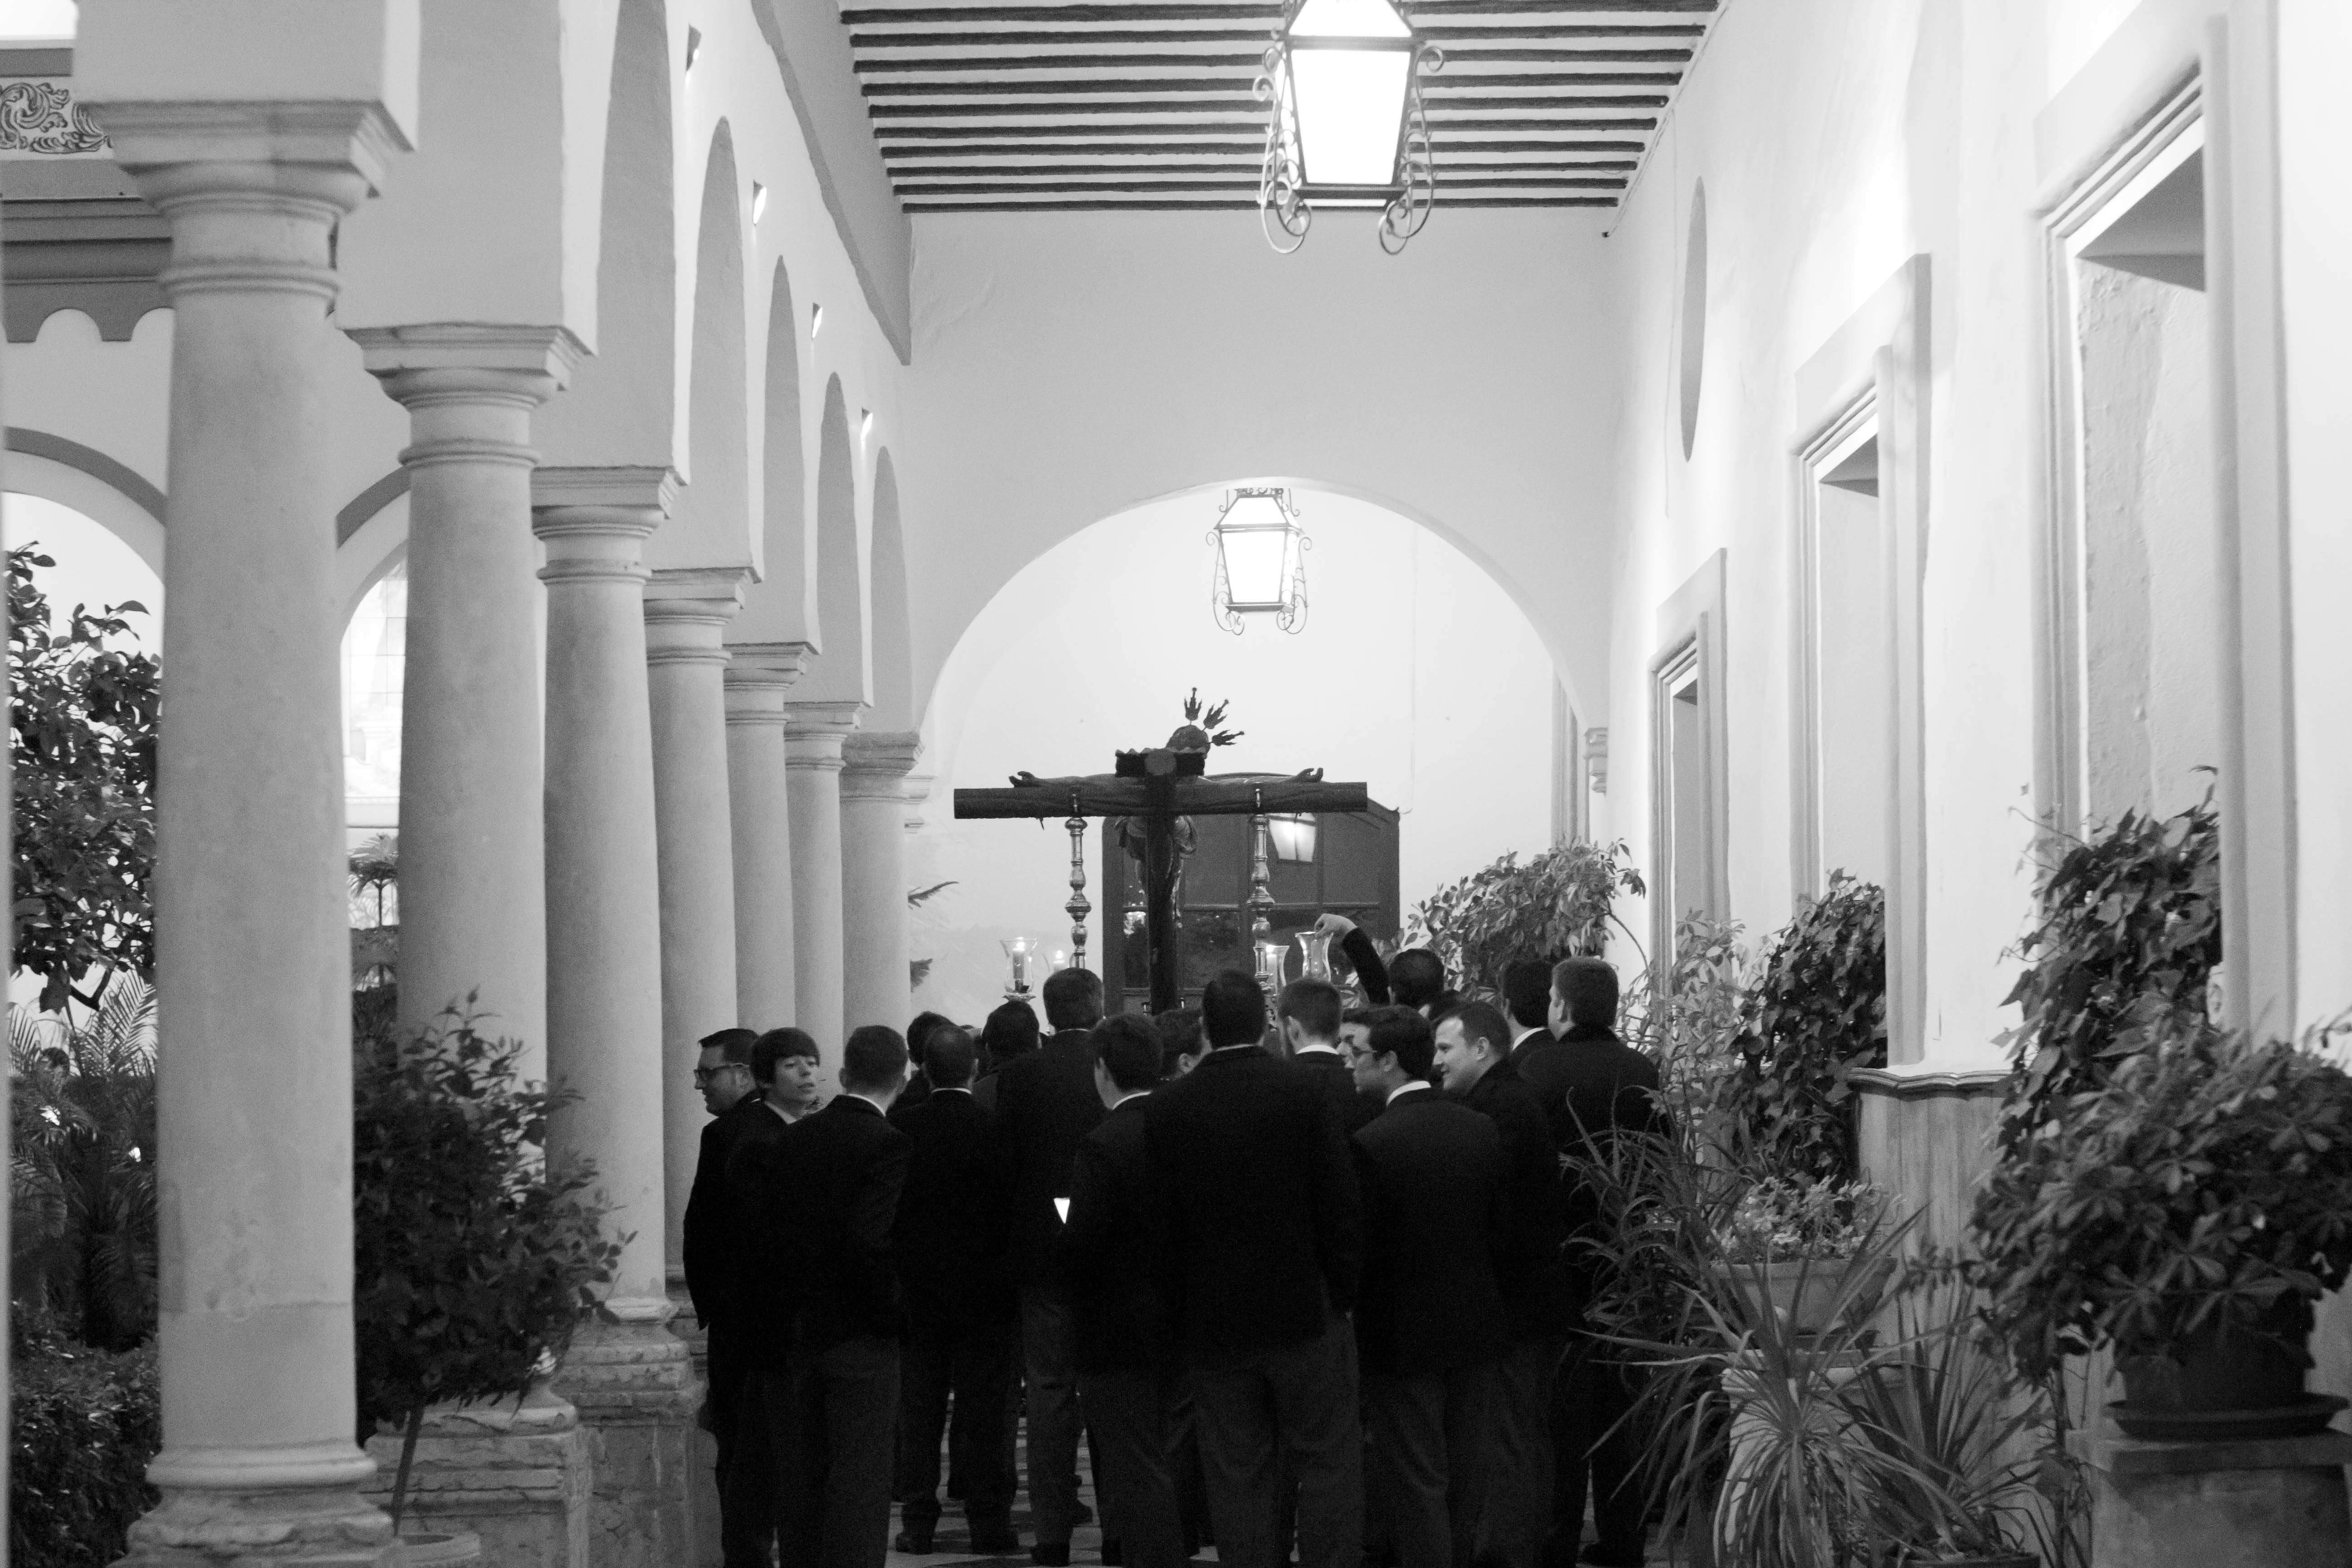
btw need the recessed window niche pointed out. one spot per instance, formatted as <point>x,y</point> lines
<point>1691,367</point>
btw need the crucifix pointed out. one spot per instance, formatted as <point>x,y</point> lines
<point>1157,787</point>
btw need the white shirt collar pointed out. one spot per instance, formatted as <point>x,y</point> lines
<point>1321,1046</point>
<point>952,1089</point>
<point>868,1099</point>
<point>1519,1038</point>
<point>1131,1094</point>
<point>1405,1087</point>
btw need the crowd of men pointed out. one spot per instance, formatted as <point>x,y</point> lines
<point>1312,1288</point>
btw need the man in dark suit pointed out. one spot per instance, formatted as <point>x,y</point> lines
<point>1310,1011</point>
<point>1473,1052</point>
<point>1536,1052</point>
<point>1612,1090</point>
<point>724,1073</point>
<point>824,1286</point>
<point>1417,980</point>
<point>1259,1242</point>
<point>1046,1103</point>
<point>1429,1319</point>
<point>1126,1335</point>
<point>959,1308</point>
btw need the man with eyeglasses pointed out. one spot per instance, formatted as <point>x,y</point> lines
<point>724,1073</point>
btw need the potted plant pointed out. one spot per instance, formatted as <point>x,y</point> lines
<point>473,1257</point>
<point>1797,1241</point>
<point>1815,1015</point>
<point>1556,905</point>
<point>2185,1213</point>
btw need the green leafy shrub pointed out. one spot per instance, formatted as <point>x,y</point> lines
<point>82,1167</point>
<point>473,1257</point>
<point>82,753</point>
<point>2205,1182</point>
<point>1815,1015</point>
<point>1556,906</point>
<point>83,1423</point>
<point>2131,931</point>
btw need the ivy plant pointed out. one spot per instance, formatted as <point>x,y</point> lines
<point>2206,1182</point>
<point>2129,933</point>
<point>1556,905</point>
<point>1815,1015</point>
<point>474,1257</point>
<point>82,754</point>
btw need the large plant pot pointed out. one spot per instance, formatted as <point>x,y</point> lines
<point>435,1549</point>
<point>2230,1381</point>
<point>1805,1292</point>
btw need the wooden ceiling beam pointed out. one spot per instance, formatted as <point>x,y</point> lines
<point>1256,38</point>
<point>1447,169</point>
<point>1431,88</point>
<point>1253,150</point>
<point>1005,187</point>
<point>1266,11</point>
<point>1223,204</point>
<point>1251,61</point>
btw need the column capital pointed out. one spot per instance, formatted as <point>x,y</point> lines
<point>917,790</point>
<point>594,520</point>
<point>874,765</point>
<point>180,149</point>
<point>687,612</point>
<point>814,733</point>
<point>491,359</point>
<point>758,675</point>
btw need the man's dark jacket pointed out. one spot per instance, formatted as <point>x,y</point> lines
<point>1365,960</point>
<point>1122,1312</point>
<point>950,1233</point>
<point>1534,1273</point>
<point>1337,1081</point>
<point>1436,1227</point>
<point>1258,1224</point>
<point>821,1204</point>
<point>1612,1089</point>
<point>714,1245</point>
<point>1543,1064</point>
<point>1045,1102</point>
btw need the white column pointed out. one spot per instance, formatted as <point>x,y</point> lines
<point>473,894</point>
<point>687,612</point>
<point>758,799</point>
<point>253,1158</point>
<point>630,1378</point>
<point>874,982</point>
<point>814,732</point>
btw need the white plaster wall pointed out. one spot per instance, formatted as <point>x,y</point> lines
<point>1070,367</point>
<point>2315,126</point>
<point>1415,674</point>
<point>1825,168</point>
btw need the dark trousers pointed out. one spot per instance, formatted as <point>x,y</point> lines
<point>1134,1446</point>
<point>1519,1502</point>
<point>747,1468</point>
<point>1296,1403</point>
<point>969,1364</point>
<point>1050,1357</point>
<point>831,1415</point>
<point>1432,1453</point>
<point>1593,1439</point>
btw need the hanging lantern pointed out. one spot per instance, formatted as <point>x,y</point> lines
<point>1345,125</point>
<point>1260,561</point>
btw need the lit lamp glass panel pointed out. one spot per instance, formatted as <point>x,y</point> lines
<point>1293,836</point>
<point>1351,62</point>
<point>1256,537</point>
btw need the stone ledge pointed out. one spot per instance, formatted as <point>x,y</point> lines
<point>2104,1448</point>
<point>1901,1083</point>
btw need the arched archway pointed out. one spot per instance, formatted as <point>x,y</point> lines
<point>838,673</point>
<point>110,493</point>
<point>715,522</point>
<point>1416,672</point>
<point>622,406</point>
<point>776,609</point>
<point>892,644</point>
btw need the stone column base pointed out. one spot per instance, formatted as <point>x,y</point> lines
<point>2277,1502</point>
<point>633,1383</point>
<point>516,1475</point>
<point>312,1527</point>
<point>703,1483</point>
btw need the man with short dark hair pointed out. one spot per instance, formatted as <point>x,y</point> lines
<point>1310,1011</point>
<point>1126,1338</point>
<point>1417,980</point>
<point>746,1512</point>
<point>829,1201</point>
<point>1259,1241</point>
<point>1046,1103</point>
<point>1429,1319</point>
<point>1611,1088</point>
<point>1182,1041</point>
<point>919,1081</point>
<point>1540,1058</point>
<point>960,1313</point>
<point>786,1065</point>
<point>1473,1049</point>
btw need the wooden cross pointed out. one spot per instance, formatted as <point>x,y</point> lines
<point>1156,787</point>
